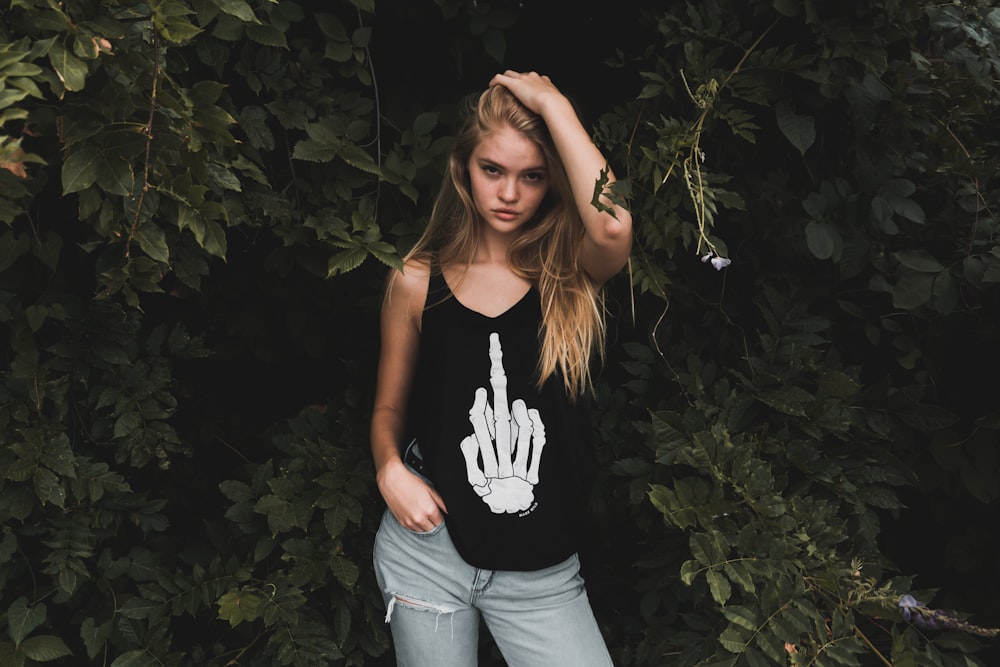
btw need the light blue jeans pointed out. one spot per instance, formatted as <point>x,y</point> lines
<point>434,601</point>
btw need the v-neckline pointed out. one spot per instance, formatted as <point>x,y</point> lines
<point>511,307</point>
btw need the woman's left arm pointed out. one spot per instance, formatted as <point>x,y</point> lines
<point>607,241</point>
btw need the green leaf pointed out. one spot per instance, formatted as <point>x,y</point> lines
<point>140,608</point>
<point>266,34</point>
<point>918,260</point>
<point>718,585</point>
<point>80,170</point>
<point>800,130</point>
<point>912,290</point>
<point>733,640</point>
<point>790,400</point>
<point>238,8</point>
<point>238,606</point>
<point>425,123</point>
<point>314,151</point>
<point>345,571</point>
<point>44,648</point>
<point>22,619</point>
<point>822,239</point>
<point>95,636</point>
<point>153,241</point>
<point>127,424</point>
<point>214,239</point>
<point>71,70</point>
<point>788,7</point>
<point>137,658</point>
<point>740,616</point>
<point>345,261</point>
<point>48,488</point>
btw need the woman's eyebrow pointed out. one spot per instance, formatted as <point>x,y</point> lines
<point>494,163</point>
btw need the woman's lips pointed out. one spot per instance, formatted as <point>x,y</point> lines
<point>505,213</point>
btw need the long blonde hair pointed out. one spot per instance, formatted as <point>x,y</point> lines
<point>545,252</point>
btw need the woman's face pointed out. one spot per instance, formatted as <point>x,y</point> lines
<point>509,179</point>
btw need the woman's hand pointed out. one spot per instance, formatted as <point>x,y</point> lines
<point>411,500</point>
<point>534,90</point>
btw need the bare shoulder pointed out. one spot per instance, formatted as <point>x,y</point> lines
<point>407,289</point>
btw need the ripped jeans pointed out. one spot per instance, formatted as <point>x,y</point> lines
<point>434,601</point>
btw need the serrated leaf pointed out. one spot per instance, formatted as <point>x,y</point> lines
<point>345,571</point>
<point>335,519</point>
<point>137,658</point>
<point>313,151</point>
<point>238,8</point>
<point>127,424</point>
<point>358,158</point>
<point>345,261</point>
<point>95,636</point>
<point>733,640</point>
<point>790,400</point>
<point>23,618</point>
<point>266,34</point>
<point>45,648</point>
<point>48,488</point>
<point>718,585</point>
<point>140,608</point>
<point>740,616</point>
<point>238,606</point>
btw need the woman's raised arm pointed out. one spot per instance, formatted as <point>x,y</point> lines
<point>608,239</point>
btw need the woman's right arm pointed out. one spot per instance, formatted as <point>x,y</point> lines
<point>415,505</point>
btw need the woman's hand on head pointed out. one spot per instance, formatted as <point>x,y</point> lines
<point>532,89</point>
<point>416,505</point>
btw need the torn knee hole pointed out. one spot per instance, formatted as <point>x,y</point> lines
<point>421,604</point>
<point>408,601</point>
<point>417,605</point>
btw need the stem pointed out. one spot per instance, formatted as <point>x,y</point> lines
<point>148,131</point>
<point>863,637</point>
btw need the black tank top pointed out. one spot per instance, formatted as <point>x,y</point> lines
<point>506,457</point>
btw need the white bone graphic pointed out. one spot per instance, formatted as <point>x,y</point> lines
<point>503,453</point>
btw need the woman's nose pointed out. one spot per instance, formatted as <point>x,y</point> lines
<point>508,190</point>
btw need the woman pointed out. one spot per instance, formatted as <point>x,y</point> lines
<point>487,335</point>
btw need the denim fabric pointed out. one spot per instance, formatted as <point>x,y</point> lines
<point>434,601</point>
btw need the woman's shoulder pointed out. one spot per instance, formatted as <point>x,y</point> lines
<point>415,273</point>
<point>408,285</point>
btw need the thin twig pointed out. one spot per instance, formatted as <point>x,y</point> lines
<point>148,131</point>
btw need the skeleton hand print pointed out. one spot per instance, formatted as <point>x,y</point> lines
<point>503,454</point>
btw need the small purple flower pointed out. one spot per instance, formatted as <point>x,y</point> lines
<point>718,262</point>
<point>908,603</point>
<point>915,611</point>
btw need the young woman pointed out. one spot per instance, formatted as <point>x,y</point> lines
<point>487,336</point>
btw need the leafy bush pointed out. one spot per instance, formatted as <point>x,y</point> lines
<point>198,194</point>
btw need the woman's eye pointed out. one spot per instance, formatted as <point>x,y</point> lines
<point>490,169</point>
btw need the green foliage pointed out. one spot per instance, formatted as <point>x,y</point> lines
<point>191,194</point>
<point>801,390</point>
